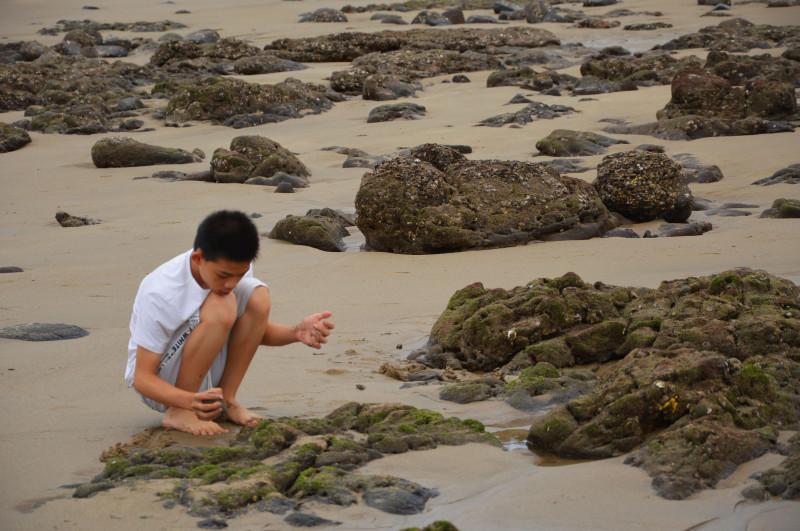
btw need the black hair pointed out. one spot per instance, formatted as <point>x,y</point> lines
<point>227,234</point>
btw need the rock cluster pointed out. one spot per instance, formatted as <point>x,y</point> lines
<point>437,201</point>
<point>737,35</point>
<point>280,463</point>
<point>251,157</point>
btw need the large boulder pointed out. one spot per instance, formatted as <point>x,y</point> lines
<point>254,156</point>
<point>122,152</point>
<point>237,103</point>
<point>644,186</point>
<point>436,201</point>
<point>12,138</point>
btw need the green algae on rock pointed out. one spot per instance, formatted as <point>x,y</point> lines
<point>123,152</point>
<point>254,156</point>
<point>299,458</point>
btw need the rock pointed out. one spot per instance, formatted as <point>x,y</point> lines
<point>784,480</point>
<point>304,519</point>
<point>90,25</point>
<point>212,523</point>
<point>405,111</point>
<point>130,103</point>
<point>349,46</point>
<point>10,269</point>
<point>42,332</point>
<point>404,497</point>
<point>696,172</point>
<point>67,220</point>
<point>284,188</point>
<point>454,15</point>
<point>536,11</point>
<point>736,35</point>
<point>693,127</point>
<point>87,490</point>
<point>566,143</point>
<point>643,186</point>
<point>652,148</point>
<point>598,3</point>
<point>435,201</point>
<point>671,230</point>
<point>393,19</point>
<point>528,114</point>
<point>567,165</point>
<point>324,14</point>
<point>122,152</point>
<point>431,18</point>
<point>648,26</point>
<point>169,175</point>
<point>461,78</point>
<point>12,138</point>
<point>481,19</point>
<point>239,104</point>
<point>320,232</point>
<point>279,178</point>
<point>252,156</point>
<point>647,69</point>
<point>706,380</point>
<point>203,36</point>
<point>597,23</point>
<point>620,232</point>
<point>788,175</point>
<point>264,63</point>
<point>381,87</point>
<point>783,208</point>
<point>464,393</point>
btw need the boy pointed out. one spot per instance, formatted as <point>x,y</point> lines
<point>197,321</point>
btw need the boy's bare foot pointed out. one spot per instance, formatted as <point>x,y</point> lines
<point>238,414</point>
<point>185,420</point>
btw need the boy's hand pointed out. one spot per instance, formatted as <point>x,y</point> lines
<point>314,329</point>
<point>207,405</point>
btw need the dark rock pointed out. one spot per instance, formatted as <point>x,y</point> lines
<point>454,15</point>
<point>203,36</point>
<point>643,186</point>
<point>131,103</point>
<point>528,114</point>
<point>252,156</point>
<point>431,18</point>
<point>597,23</point>
<point>303,519</point>
<point>783,208</point>
<point>284,188</point>
<point>693,127</point>
<point>120,152</point>
<point>671,230</point>
<point>434,201</point>
<point>466,392</point>
<point>279,178</point>
<point>12,138</point>
<point>588,85</point>
<point>381,87</point>
<point>405,111</point>
<point>10,269</point>
<point>461,78</point>
<point>393,19</point>
<point>90,25</point>
<point>621,233</point>
<point>228,100</point>
<point>131,125</point>
<point>404,497</point>
<point>736,35</point>
<point>566,143</point>
<point>598,3</point>
<point>652,148</point>
<point>566,165</point>
<point>649,26</point>
<point>323,14</point>
<point>506,6</point>
<point>788,175</point>
<point>351,45</point>
<point>87,490</point>
<point>67,220</point>
<point>264,63</point>
<point>519,98</point>
<point>320,232</point>
<point>696,172</point>
<point>650,68</point>
<point>212,523</point>
<point>481,19</point>
<point>278,505</point>
<point>42,332</point>
<point>169,175</point>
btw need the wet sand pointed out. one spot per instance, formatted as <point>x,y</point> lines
<point>65,402</point>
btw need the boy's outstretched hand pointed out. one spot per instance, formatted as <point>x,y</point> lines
<point>314,329</point>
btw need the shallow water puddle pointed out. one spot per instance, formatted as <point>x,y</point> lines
<point>514,440</point>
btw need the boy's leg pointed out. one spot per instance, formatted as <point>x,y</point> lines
<point>244,340</point>
<point>217,316</point>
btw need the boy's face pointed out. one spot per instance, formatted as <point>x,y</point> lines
<point>220,276</point>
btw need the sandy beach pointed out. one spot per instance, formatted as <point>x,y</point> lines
<point>65,402</point>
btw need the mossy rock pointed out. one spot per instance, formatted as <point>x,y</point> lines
<point>567,143</point>
<point>322,233</point>
<point>118,152</point>
<point>597,342</point>
<point>12,138</point>
<point>464,393</point>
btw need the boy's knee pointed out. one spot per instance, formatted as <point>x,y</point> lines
<point>219,309</point>
<point>258,304</point>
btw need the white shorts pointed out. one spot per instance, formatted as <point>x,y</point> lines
<point>171,359</point>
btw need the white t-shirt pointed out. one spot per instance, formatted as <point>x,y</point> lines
<point>166,299</point>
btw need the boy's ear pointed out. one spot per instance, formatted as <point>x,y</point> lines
<point>197,256</point>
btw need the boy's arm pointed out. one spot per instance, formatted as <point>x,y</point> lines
<point>147,382</point>
<point>312,331</point>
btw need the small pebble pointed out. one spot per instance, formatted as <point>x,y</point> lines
<point>399,346</point>
<point>360,387</point>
